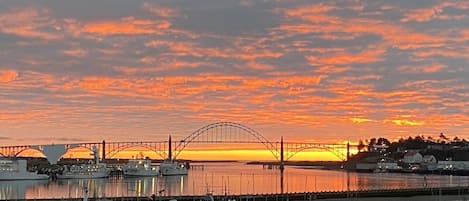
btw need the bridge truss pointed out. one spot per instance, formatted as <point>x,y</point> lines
<point>216,133</point>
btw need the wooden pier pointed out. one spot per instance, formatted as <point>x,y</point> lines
<point>301,196</point>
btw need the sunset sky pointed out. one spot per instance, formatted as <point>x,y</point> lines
<point>314,71</point>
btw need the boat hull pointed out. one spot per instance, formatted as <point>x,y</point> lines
<point>141,173</point>
<point>168,168</point>
<point>85,171</point>
<point>170,172</point>
<point>16,169</point>
<point>23,176</point>
<point>93,175</point>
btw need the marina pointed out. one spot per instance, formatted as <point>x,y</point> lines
<point>226,178</point>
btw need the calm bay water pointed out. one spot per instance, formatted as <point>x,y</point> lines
<point>221,178</point>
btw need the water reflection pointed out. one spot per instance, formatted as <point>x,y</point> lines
<point>224,178</point>
<point>163,186</point>
<point>17,189</point>
<point>176,185</point>
<point>141,186</point>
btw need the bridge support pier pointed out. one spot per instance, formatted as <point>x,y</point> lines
<point>170,149</point>
<point>103,149</point>
<point>282,164</point>
<point>348,151</point>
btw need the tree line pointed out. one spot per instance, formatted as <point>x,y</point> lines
<point>417,142</point>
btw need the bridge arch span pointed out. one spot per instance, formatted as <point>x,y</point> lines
<point>338,150</point>
<point>149,146</point>
<point>229,133</point>
<point>74,148</point>
<point>17,154</point>
<point>51,152</point>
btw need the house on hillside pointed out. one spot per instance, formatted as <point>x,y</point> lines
<point>429,163</point>
<point>413,157</point>
<point>429,159</point>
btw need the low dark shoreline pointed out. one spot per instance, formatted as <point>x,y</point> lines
<point>325,165</point>
<point>337,165</point>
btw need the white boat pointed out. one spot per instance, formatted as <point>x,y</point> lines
<point>94,169</point>
<point>16,169</point>
<point>172,167</point>
<point>140,168</point>
<point>85,171</point>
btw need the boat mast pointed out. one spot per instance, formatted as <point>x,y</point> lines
<point>95,154</point>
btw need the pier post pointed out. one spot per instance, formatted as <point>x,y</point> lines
<point>103,149</point>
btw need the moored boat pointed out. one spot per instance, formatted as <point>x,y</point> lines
<point>140,168</point>
<point>16,169</point>
<point>93,169</point>
<point>173,167</point>
<point>84,171</point>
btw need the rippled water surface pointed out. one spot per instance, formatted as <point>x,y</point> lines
<point>221,178</point>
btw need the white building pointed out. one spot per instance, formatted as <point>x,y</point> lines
<point>388,166</point>
<point>453,165</point>
<point>429,159</point>
<point>412,157</point>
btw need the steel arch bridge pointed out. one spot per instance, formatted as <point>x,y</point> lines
<point>220,132</point>
<point>226,132</point>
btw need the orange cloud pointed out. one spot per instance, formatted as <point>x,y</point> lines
<point>159,10</point>
<point>308,10</point>
<point>75,52</point>
<point>366,56</point>
<point>331,69</point>
<point>360,120</point>
<point>432,52</point>
<point>394,35</point>
<point>22,115</point>
<point>93,83</point>
<point>179,48</point>
<point>8,75</point>
<point>30,23</point>
<point>422,69</point>
<point>126,26</point>
<point>259,66</point>
<point>422,15</point>
<point>405,122</point>
<point>435,12</point>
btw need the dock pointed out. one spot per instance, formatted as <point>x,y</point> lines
<point>299,196</point>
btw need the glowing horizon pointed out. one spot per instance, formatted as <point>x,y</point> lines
<point>200,155</point>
